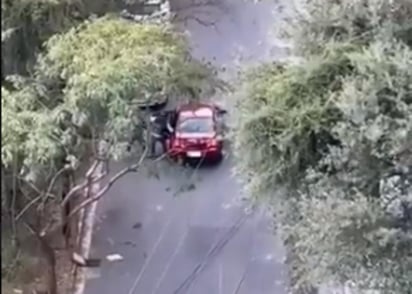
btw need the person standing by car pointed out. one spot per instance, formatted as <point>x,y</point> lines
<point>171,121</point>
<point>161,127</point>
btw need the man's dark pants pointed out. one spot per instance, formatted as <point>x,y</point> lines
<point>154,142</point>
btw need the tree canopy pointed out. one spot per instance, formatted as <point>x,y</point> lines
<point>87,88</point>
<point>336,130</point>
<point>95,74</point>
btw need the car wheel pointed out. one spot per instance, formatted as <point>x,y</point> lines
<point>219,158</point>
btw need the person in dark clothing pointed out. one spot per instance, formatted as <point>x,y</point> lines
<point>161,128</point>
<point>171,121</point>
<point>139,128</point>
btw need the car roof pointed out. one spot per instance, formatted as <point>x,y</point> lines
<point>196,110</point>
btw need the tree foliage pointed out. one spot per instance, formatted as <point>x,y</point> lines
<point>27,24</point>
<point>110,66</point>
<point>359,22</point>
<point>79,109</point>
<point>20,117</point>
<point>94,76</point>
<point>337,131</point>
<point>80,101</point>
<point>82,104</point>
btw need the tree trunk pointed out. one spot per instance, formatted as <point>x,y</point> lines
<point>67,228</point>
<point>85,231</point>
<point>5,198</point>
<point>51,260</point>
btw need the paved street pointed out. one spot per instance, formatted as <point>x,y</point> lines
<point>203,239</point>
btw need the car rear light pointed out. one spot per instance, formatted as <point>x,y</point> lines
<point>212,142</point>
<point>178,143</point>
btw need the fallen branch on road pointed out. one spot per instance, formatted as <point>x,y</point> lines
<point>114,179</point>
<point>132,168</point>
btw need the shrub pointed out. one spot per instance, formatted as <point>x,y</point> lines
<point>336,130</point>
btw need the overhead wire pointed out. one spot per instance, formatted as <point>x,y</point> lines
<point>214,250</point>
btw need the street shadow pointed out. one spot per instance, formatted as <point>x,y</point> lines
<point>205,165</point>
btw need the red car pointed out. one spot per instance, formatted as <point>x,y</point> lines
<point>197,134</point>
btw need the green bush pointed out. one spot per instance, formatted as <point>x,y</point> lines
<point>84,94</point>
<point>292,108</point>
<point>96,74</point>
<point>336,130</point>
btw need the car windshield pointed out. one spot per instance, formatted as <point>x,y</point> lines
<point>195,125</point>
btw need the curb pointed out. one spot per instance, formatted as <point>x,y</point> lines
<point>86,235</point>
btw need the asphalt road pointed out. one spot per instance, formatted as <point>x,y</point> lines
<point>189,231</point>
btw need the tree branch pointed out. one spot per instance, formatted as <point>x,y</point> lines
<point>73,191</point>
<point>54,179</point>
<point>51,185</point>
<point>41,194</point>
<point>83,185</point>
<point>28,205</point>
<point>92,169</point>
<point>200,21</point>
<point>131,168</point>
<point>31,185</point>
<point>78,208</point>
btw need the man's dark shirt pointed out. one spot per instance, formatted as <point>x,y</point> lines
<point>159,126</point>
